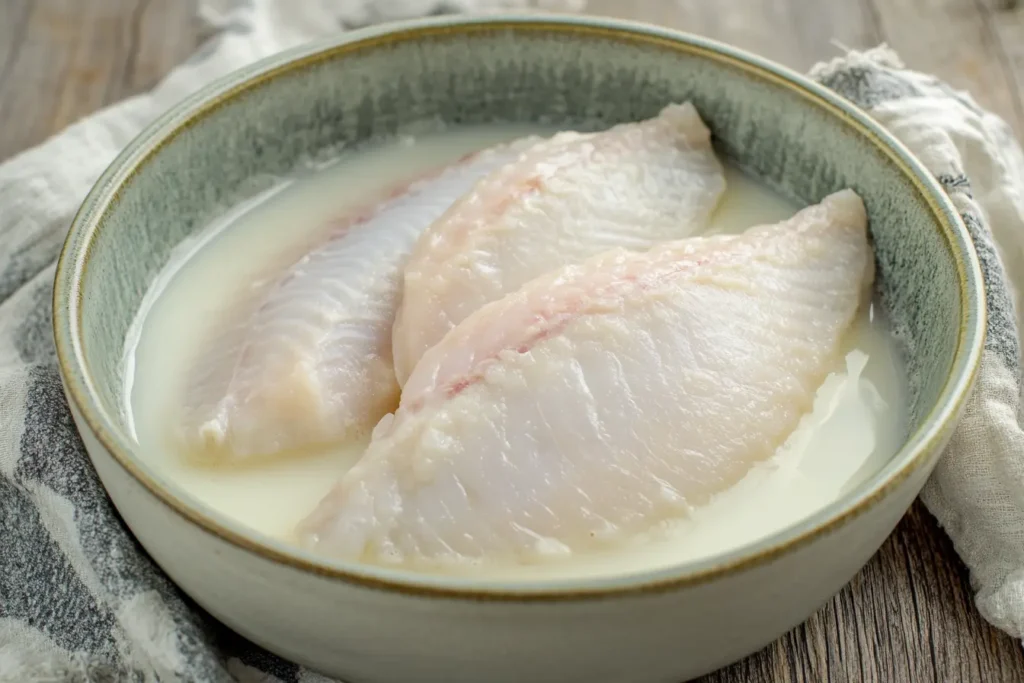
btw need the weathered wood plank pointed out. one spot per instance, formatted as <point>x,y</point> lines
<point>968,43</point>
<point>796,33</point>
<point>63,59</point>
<point>1007,21</point>
<point>908,616</point>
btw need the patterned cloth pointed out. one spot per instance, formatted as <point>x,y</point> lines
<point>81,601</point>
<point>977,490</point>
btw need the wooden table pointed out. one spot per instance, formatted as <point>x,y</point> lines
<point>908,616</point>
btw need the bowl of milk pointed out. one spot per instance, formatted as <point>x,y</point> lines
<point>515,348</point>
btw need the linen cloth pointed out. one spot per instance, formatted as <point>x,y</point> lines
<point>81,601</point>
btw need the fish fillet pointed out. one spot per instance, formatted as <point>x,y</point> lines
<point>311,364</point>
<point>567,199</point>
<point>605,398</point>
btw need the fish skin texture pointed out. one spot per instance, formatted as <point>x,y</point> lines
<point>565,200</point>
<point>605,398</point>
<point>310,363</point>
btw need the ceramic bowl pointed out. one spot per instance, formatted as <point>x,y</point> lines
<point>365,624</point>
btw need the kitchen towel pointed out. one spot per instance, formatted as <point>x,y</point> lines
<point>81,601</point>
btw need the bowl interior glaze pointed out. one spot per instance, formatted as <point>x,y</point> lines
<point>231,140</point>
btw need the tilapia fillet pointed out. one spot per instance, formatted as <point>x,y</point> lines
<point>605,398</point>
<point>312,363</point>
<point>565,200</point>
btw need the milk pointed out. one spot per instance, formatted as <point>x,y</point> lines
<point>856,424</point>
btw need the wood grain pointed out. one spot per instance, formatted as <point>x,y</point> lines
<point>908,616</point>
<point>963,42</point>
<point>796,33</point>
<point>62,59</point>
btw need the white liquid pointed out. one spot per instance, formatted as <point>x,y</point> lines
<point>856,425</point>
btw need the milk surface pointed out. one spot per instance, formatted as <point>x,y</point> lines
<point>856,425</point>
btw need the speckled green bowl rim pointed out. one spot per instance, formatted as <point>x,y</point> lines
<point>920,451</point>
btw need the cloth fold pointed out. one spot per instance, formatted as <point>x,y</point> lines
<point>80,600</point>
<point>977,490</point>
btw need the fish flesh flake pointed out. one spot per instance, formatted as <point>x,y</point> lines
<point>565,200</point>
<point>309,364</point>
<point>605,398</point>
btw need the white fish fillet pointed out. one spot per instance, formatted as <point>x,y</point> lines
<point>567,199</point>
<point>312,363</point>
<point>605,398</point>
